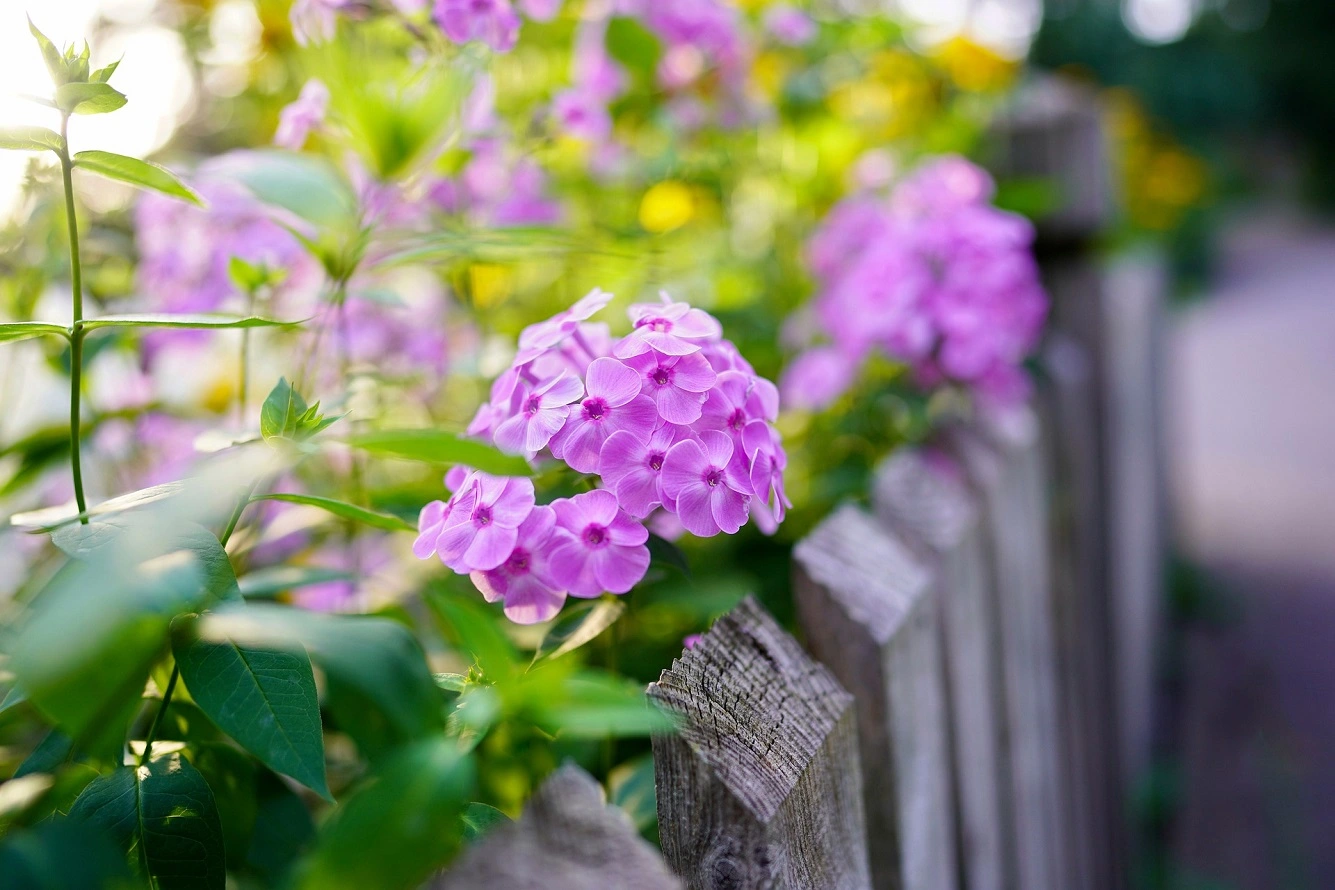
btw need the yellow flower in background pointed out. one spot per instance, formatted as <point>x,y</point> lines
<point>668,205</point>
<point>975,68</point>
<point>1160,180</point>
<point>489,284</point>
<point>768,72</point>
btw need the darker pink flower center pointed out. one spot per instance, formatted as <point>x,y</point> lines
<point>737,420</point>
<point>595,408</point>
<point>713,476</point>
<point>661,376</point>
<point>595,536</point>
<point>656,460</point>
<point>655,323</point>
<point>482,516</point>
<point>533,405</point>
<point>517,564</point>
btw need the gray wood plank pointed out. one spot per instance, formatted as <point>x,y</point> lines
<point>568,838</point>
<point>924,498</point>
<point>761,786</point>
<point>869,612</point>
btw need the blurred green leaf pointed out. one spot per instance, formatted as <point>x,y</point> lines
<point>13,698</point>
<point>633,789</point>
<point>399,826</point>
<point>470,626</point>
<point>231,775</point>
<point>1032,196</point>
<point>144,174</point>
<point>267,582</point>
<point>263,698</point>
<point>23,330</point>
<point>60,854</point>
<point>298,183</point>
<point>283,830</point>
<point>633,45</point>
<point>30,139</point>
<point>597,704</point>
<point>165,815</point>
<point>83,541</point>
<point>51,518</point>
<point>440,447</point>
<point>451,682</point>
<point>480,818</point>
<point>285,415</point>
<point>55,62</point>
<point>665,553</point>
<point>372,518</point>
<point>51,752</point>
<point>205,321</point>
<point>88,98</point>
<point>578,625</point>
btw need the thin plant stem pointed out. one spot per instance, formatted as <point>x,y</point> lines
<point>157,718</point>
<point>76,326</point>
<point>243,383</point>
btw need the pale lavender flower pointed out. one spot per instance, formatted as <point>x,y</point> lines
<point>306,113</point>
<point>633,467</point>
<point>789,25</point>
<point>482,528</point>
<point>702,477</point>
<point>676,383</point>
<point>542,413</point>
<point>613,402</point>
<point>599,548</point>
<point>671,328</point>
<point>492,22</point>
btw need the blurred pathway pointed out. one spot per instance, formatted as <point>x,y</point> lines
<point>1251,466</point>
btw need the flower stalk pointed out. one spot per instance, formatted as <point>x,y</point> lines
<point>77,332</point>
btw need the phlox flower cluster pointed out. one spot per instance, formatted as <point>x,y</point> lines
<point>670,420</point>
<point>932,275</point>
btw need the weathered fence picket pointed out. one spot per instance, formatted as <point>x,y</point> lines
<point>1007,471</point>
<point>760,787</point>
<point>923,498</point>
<point>869,612</point>
<point>567,839</point>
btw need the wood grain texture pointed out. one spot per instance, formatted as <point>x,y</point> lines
<point>923,498</point>
<point>868,610</point>
<point>1005,467</point>
<point>760,787</point>
<point>567,839</point>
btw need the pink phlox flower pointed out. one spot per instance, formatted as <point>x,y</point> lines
<point>543,336</point>
<point>612,402</point>
<point>315,20</point>
<point>722,356</point>
<point>633,468</point>
<point>669,327</point>
<point>523,581</point>
<point>704,479</point>
<point>767,460</point>
<point>845,232</point>
<point>492,22</point>
<point>306,113</point>
<point>676,383</point>
<point>818,376</point>
<point>481,529</point>
<point>942,186</point>
<point>582,114</point>
<point>598,547</point>
<point>691,641</point>
<point>592,69</point>
<point>737,399</point>
<point>542,412</point>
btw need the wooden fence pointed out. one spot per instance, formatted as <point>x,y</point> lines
<point>972,703</point>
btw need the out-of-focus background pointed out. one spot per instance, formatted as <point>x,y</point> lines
<point>1222,119</point>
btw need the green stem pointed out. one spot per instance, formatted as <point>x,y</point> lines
<point>162,711</point>
<point>76,329</point>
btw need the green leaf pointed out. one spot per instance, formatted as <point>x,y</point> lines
<point>231,775</point>
<point>450,682</point>
<point>207,321</point>
<point>440,447</point>
<point>300,184</point>
<point>398,827</point>
<point>58,854</point>
<point>31,139</point>
<point>103,74</point>
<point>480,818</point>
<point>23,330</point>
<point>144,174</point>
<point>579,625</point>
<point>165,815</point>
<point>53,750</point>
<point>88,98</point>
<point>83,541</point>
<point>55,62</point>
<point>597,704</point>
<point>283,830</point>
<point>13,698</point>
<point>372,518</point>
<point>632,787</point>
<point>264,699</point>
<point>633,45</point>
<point>664,552</point>
<point>285,415</point>
<point>51,518</point>
<point>267,582</point>
<point>78,65</point>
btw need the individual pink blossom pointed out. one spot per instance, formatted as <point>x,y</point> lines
<point>702,478</point>
<point>736,400</point>
<point>582,114</point>
<point>789,25</point>
<point>297,120</point>
<point>537,339</point>
<point>482,528</point>
<point>669,327</point>
<point>676,383</point>
<point>767,460</point>
<point>691,641</point>
<point>598,546</point>
<point>492,22</point>
<point>612,402</point>
<point>523,581</point>
<point>542,413</point>
<point>633,467</point>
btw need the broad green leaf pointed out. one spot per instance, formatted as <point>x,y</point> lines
<point>480,818</point>
<point>450,682</point>
<point>231,775</point>
<point>103,74</point>
<point>51,752</point>
<point>475,630</point>
<point>23,330</point>
<point>372,518</point>
<point>55,62</point>
<point>377,666</point>
<point>51,518</point>
<point>31,139</point>
<point>267,582</point>
<point>283,830</point>
<point>398,827</point>
<point>632,787</point>
<point>286,415</point>
<point>206,321</point>
<point>597,704</point>
<point>664,552</point>
<point>58,854</point>
<point>265,699</point>
<point>440,447</point>
<point>579,625</point>
<point>165,815</point>
<point>144,174</point>
<point>633,45</point>
<point>13,698</point>
<point>300,184</point>
<point>83,541</point>
<point>88,98</point>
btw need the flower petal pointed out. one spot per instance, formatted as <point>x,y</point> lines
<point>610,380</point>
<point>622,453</point>
<point>491,546</point>
<point>729,508</point>
<point>678,405</point>
<point>531,601</point>
<point>695,512</point>
<point>618,569</point>
<point>718,447</point>
<point>683,467</point>
<point>693,373</point>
